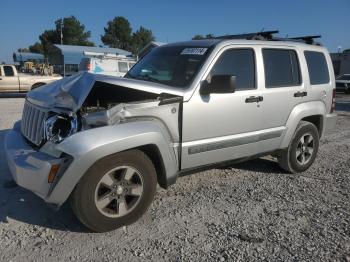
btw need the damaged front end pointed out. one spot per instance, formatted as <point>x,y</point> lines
<point>88,101</point>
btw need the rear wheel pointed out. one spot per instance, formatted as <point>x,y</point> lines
<point>302,150</point>
<point>116,191</point>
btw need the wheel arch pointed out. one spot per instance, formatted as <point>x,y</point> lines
<point>145,136</point>
<point>313,112</point>
<point>38,84</point>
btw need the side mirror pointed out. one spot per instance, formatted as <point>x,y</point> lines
<point>219,84</point>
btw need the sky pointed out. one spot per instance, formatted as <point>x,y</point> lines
<point>21,22</point>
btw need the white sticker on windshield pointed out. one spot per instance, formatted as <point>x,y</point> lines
<point>194,51</point>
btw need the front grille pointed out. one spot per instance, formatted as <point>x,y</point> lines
<point>32,125</point>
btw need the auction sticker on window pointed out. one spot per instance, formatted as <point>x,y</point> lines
<point>194,51</point>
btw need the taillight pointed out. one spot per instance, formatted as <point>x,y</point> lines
<point>333,102</point>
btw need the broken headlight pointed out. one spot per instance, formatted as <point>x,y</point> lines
<point>59,127</point>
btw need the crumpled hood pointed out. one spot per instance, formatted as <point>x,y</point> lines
<point>71,92</point>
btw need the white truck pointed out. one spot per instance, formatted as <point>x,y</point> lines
<point>106,64</point>
<point>12,81</point>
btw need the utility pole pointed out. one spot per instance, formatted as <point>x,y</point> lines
<point>64,65</point>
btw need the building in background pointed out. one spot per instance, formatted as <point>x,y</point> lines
<point>148,48</point>
<point>341,62</point>
<point>66,58</point>
<point>20,58</point>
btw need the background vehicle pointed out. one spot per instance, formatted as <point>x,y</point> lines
<point>12,81</point>
<point>105,142</point>
<point>106,64</point>
<point>343,83</point>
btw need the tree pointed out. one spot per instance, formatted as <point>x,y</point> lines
<point>73,34</point>
<point>118,33</point>
<point>141,38</point>
<point>36,48</point>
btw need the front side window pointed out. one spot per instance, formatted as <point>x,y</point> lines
<point>239,63</point>
<point>123,67</point>
<point>281,68</point>
<point>8,71</point>
<point>318,69</point>
<point>175,66</point>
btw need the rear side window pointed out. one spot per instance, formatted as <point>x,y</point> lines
<point>123,67</point>
<point>8,71</point>
<point>318,69</point>
<point>239,63</point>
<point>281,68</point>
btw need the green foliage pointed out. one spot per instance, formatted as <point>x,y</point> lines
<point>118,34</point>
<point>140,39</point>
<point>36,48</point>
<point>73,34</point>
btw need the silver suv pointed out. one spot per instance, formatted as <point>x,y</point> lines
<point>105,143</point>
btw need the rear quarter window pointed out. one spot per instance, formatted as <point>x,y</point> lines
<point>317,66</point>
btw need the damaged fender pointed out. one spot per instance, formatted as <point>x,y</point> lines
<point>91,145</point>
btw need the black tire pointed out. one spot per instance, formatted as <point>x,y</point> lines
<point>83,197</point>
<point>288,159</point>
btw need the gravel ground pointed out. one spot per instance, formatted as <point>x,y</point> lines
<point>246,212</point>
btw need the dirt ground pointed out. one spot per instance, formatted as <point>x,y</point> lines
<point>247,212</point>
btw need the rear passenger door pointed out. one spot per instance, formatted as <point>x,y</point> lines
<point>284,87</point>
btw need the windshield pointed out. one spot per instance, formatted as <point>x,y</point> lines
<point>344,77</point>
<point>175,66</point>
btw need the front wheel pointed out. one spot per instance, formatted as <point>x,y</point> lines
<point>116,191</point>
<point>302,150</point>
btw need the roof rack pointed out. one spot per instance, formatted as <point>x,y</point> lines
<point>268,36</point>
<point>263,35</point>
<point>308,39</point>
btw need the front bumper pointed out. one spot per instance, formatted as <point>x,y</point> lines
<point>29,167</point>
<point>330,122</point>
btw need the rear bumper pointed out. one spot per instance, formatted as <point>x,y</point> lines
<point>29,167</point>
<point>330,122</point>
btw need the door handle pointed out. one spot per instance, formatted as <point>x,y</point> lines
<point>300,94</point>
<point>254,99</point>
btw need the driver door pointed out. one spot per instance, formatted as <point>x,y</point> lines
<point>220,127</point>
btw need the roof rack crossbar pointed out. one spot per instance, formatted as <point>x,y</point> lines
<point>268,35</point>
<point>309,39</point>
<point>263,35</point>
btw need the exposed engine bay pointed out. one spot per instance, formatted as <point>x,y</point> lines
<point>108,104</point>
